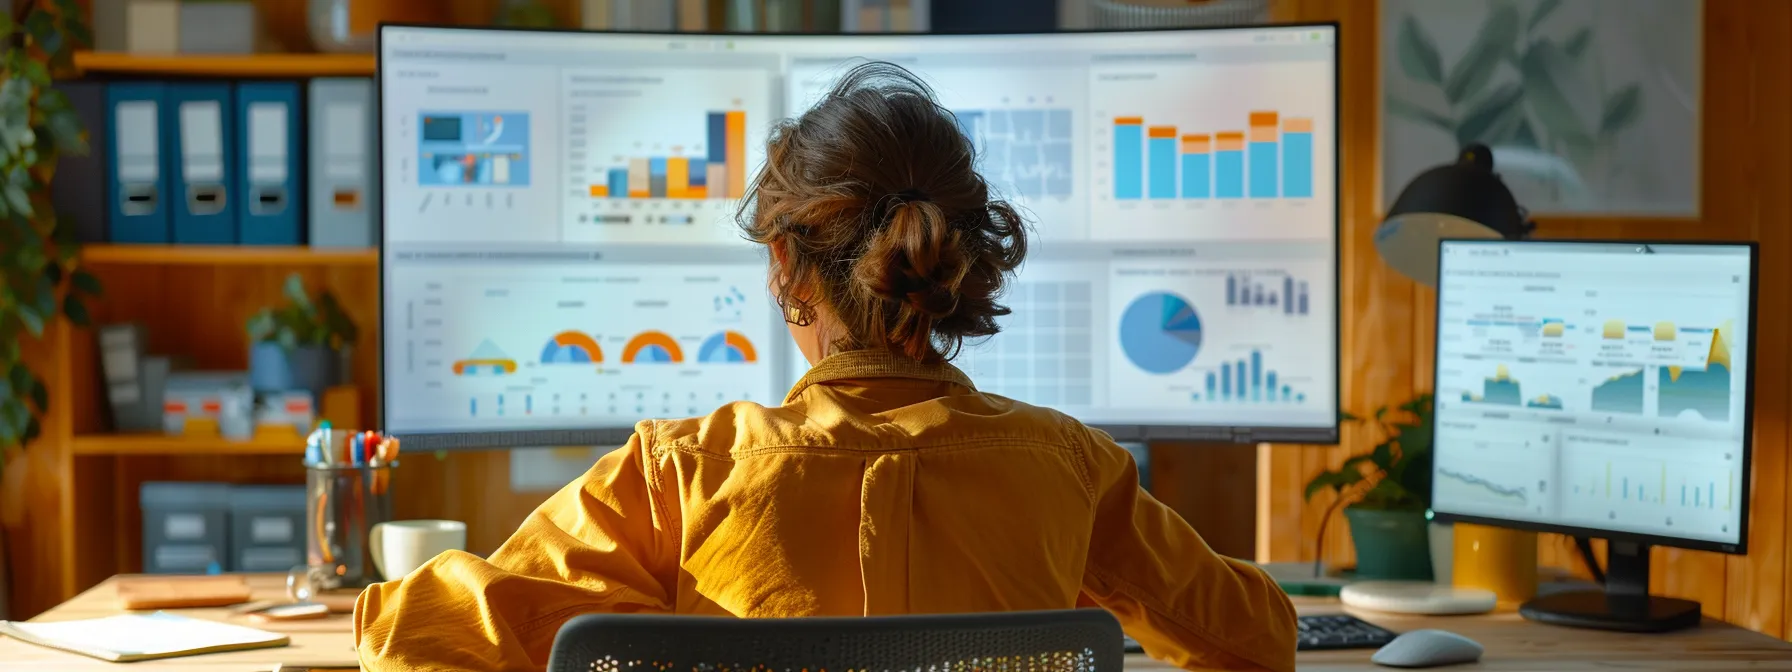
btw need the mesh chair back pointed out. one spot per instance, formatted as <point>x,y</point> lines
<point>1082,640</point>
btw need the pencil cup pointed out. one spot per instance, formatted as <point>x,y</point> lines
<point>344,500</point>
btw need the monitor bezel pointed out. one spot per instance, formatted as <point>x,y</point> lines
<point>1748,412</point>
<point>515,438</point>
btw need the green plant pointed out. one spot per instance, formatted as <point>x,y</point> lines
<point>303,322</point>
<point>1557,102</point>
<point>1396,473</point>
<point>39,252</point>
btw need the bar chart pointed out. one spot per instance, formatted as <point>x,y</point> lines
<point>1198,149</point>
<point>660,156</point>
<point>1247,380</point>
<point>1278,293</point>
<point>718,168</point>
<point>1274,159</point>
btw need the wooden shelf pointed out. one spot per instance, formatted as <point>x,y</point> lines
<point>226,255</point>
<point>205,65</point>
<point>162,444</point>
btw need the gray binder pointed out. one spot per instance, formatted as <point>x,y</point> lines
<point>79,188</point>
<point>344,136</point>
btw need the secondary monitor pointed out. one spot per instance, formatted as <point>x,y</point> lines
<point>1598,389</point>
<point>560,257</point>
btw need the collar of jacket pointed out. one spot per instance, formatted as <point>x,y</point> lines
<point>860,364</point>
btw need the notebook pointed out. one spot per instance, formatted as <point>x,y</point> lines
<point>133,637</point>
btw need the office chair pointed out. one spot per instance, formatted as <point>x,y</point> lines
<point>1082,640</point>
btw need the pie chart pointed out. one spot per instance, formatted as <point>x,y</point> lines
<point>1160,333</point>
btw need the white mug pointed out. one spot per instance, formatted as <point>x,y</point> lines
<point>401,546</point>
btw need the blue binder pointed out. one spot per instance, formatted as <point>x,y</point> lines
<point>200,125</point>
<point>267,175</point>
<point>137,175</point>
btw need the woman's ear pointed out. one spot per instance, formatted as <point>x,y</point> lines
<point>778,253</point>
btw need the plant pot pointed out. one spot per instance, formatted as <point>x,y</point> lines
<point>1390,545</point>
<point>313,368</point>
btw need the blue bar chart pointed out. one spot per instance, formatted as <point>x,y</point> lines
<point>1246,380</point>
<point>1272,159</point>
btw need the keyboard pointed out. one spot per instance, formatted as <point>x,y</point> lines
<point>1320,633</point>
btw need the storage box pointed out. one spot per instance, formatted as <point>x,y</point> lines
<point>185,527</point>
<point>267,528</point>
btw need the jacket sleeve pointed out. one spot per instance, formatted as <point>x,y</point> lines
<point>602,544</point>
<point>1186,604</point>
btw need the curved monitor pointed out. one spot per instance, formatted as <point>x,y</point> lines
<point>559,257</point>
<point>1596,388</point>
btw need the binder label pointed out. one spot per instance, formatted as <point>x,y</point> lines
<point>202,141</point>
<point>267,143</point>
<point>345,140</point>
<point>137,141</point>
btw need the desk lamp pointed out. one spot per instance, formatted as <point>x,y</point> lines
<point>1465,199</point>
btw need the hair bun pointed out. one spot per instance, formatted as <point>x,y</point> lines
<point>936,303</point>
<point>873,198</point>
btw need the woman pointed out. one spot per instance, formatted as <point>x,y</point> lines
<point>886,483</point>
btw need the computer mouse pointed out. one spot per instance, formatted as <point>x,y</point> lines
<point>1428,648</point>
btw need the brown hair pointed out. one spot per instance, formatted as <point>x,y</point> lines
<point>873,197</point>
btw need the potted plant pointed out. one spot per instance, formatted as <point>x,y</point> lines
<point>1386,493</point>
<point>40,275</point>
<point>302,345</point>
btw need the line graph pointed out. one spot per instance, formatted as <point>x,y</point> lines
<point>1519,493</point>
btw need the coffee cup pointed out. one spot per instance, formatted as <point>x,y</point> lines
<point>401,546</point>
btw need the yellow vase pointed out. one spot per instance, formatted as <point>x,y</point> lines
<point>1497,559</point>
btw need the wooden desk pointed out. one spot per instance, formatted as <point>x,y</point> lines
<point>328,640</point>
<point>1512,643</point>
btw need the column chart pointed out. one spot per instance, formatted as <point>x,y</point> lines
<point>1170,164</point>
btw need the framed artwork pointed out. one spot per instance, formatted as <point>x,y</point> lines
<point>1591,107</point>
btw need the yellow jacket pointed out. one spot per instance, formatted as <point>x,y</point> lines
<point>881,486</point>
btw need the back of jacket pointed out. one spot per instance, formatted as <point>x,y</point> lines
<point>881,486</point>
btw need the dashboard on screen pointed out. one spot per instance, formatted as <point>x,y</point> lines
<point>560,256</point>
<point>1596,387</point>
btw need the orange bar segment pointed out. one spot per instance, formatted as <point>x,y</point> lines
<point>600,190</point>
<point>1228,141</point>
<point>696,192</point>
<point>1161,132</point>
<point>1263,127</point>
<point>678,176</point>
<point>1199,143</point>
<point>1297,125</point>
<point>1129,121</point>
<point>736,132</point>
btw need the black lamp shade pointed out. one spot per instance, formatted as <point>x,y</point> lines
<point>1465,199</point>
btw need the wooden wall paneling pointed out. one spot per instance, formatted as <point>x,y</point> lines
<point>1376,362</point>
<point>1757,584</point>
<point>36,548</point>
<point>1214,487</point>
<point>472,487</point>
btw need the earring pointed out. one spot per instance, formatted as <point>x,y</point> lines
<point>797,314</point>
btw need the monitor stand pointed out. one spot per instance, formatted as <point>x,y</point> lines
<point>1625,604</point>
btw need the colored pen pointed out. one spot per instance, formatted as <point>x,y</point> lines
<point>355,446</point>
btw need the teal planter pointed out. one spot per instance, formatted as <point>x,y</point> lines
<point>1390,545</point>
